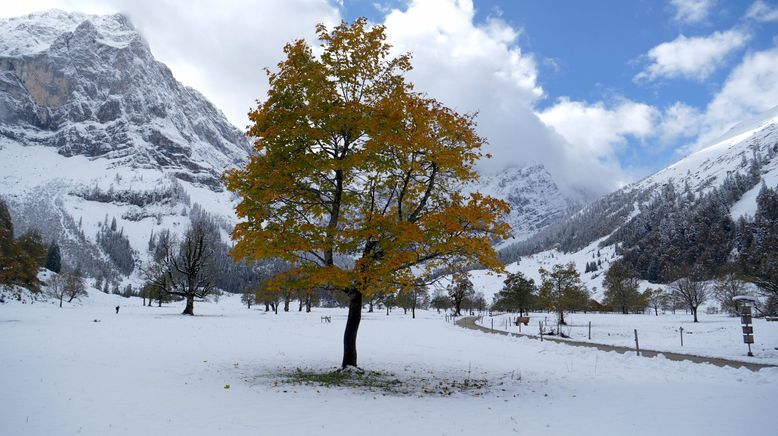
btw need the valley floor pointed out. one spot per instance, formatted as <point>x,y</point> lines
<point>151,371</point>
<point>715,335</point>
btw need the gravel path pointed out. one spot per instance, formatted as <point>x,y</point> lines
<point>469,323</point>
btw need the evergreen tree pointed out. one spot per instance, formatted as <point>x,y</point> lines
<point>117,246</point>
<point>53,258</point>
<point>759,259</point>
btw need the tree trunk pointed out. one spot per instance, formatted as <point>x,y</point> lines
<point>189,309</point>
<point>656,311</point>
<point>286,305</point>
<point>457,308</point>
<point>352,325</point>
<point>413,312</point>
<point>694,311</point>
<point>387,310</point>
<point>267,307</point>
<point>370,305</point>
<point>144,301</point>
<point>275,308</point>
<point>300,308</point>
<point>308,304</point>
<point>562,318</point>
<point>60,301</point>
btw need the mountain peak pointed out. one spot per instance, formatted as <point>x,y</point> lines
<point>89,85</point>
<point>37,32</point>
<point>535,199</point>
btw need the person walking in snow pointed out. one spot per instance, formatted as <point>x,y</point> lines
<point>117,310</point>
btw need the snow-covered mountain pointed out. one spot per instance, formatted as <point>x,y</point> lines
<point>535,199</point>
<point>747,153</point>
<point>89,85</point>
<point>93,128</point>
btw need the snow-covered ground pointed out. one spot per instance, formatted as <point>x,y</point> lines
<point>151,371</point>
<point>715,335</point>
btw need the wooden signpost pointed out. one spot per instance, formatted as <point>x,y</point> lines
<point>746,303</point>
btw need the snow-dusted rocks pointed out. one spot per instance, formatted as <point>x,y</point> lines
<point>93,128</point>
<point>535,199</point>
<point>89,85</point>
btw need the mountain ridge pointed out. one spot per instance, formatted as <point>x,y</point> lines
<point>90,85</point>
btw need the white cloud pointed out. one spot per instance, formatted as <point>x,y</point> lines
<point>479,67</point>
<point>679,121</point>
<point>691,58</point>
<point>762,12</point>
<point>750,89</point>
<point>692,11</point>
<point>597,129</point>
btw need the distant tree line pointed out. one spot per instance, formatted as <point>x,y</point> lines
<point>117,246</point>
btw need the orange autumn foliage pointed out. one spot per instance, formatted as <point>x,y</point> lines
<point>356,178</point>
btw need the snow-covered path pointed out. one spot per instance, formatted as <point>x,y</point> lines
<point>474,323</point>
<point>151,371</point>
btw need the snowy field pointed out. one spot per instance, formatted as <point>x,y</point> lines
<point>715,335</point>
<point>151,371</point>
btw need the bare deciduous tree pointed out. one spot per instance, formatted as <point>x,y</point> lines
<point>74,286</point>
<point>690,292</point>
<point>185,269</point>
<point>727,288</point>
<point>66,285</point>
<point>56,288</point>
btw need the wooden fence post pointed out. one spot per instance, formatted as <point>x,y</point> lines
<point>590,330</point>
<point>637,344</point>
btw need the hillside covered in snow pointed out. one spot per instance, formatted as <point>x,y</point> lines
<point>693,213</point>
<point>94,130</point>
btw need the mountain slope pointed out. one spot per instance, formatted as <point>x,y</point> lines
<point>535,199</point>
<point>89,85</point>
<point>93,128</point>
<point>728,173</point>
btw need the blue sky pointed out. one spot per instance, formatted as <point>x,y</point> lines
<point>601,92</point>
<point>593,53</point>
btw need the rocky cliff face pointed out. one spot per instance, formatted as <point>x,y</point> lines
<point>89,85</point>
<point>535,199</point>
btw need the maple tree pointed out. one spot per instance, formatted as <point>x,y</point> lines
<point>357,179</point>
